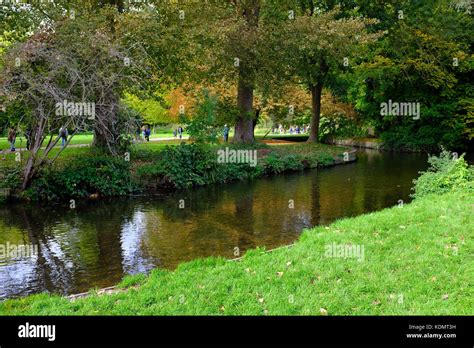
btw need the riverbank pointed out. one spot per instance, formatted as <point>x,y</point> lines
<point>409,260</point>
<point>365,143</point>
<point>154,167</point>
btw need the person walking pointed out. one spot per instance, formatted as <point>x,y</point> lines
<point>28,138</point>
<point>138,134</point>
<point>147,134</point>
<point>226,133</point>
<point>63,134</point>
<point>11,139</point>
<point>180,132</point>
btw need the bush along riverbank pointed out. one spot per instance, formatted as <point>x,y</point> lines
<point>414,259</point>
<point>184,166</point>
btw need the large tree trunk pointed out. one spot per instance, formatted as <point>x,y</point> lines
<point>106,124</point>
<point>244,125</point>
<point>316,112</point>
<point>31,167</point>
<point>99,140</point>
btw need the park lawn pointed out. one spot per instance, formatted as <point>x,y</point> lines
<point>158,146</point>
<point>21,141</point>
<point>417,261</point>
<point>67,154</point>
<point>78,139</point>
<point>70,152</point>
<point>82,139</point>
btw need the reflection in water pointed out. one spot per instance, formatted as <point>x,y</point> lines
<point>97,243</point>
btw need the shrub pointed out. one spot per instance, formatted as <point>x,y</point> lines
<point>276,163</point>
<point>185,166</point>
<point>83,176</point>
<point>324,159</point>
<point>339,126</point>
<point>11,178</point>
<point>188,165</point>
<point>203,127</point>
<point>444,175</point>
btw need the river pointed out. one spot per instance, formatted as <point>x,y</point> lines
<point>97,243</point>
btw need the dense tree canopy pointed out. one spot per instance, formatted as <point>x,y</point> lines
<point>249,53</point>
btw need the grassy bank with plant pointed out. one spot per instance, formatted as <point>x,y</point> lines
<point>417,260</point>
<point>150,167</point>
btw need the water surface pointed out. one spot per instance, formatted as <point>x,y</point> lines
<point>98,243</point>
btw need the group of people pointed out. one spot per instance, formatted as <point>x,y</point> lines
<point>292,130</point>
<point>12,135</point>
<point>178,132</point>
<point>144,131</point>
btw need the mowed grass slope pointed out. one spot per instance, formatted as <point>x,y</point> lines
<point>418,260</point>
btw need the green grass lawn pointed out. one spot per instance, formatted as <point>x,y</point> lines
<point>82,139</point>
<point>21,141</point>
<point>10,157</point>
<point>418,260</point>
<point>297,148</point>
<point>87,138</point>
<point>76,140</point>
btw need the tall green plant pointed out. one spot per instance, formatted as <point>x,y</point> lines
<point>203,126</point>
<point>446,173</point>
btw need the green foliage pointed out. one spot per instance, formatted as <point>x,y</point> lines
<point>203,127</point>
<point>410,136</point>
<point>11,177</point>
<point>445,174</point>
<point>151,110</point>
<point>83,176</point>
<point>337,127</point>
<point>10,180</point>
<point>276,163</point>
<point>196,165</point>
<point>425,58</point>
<point>189,165</point>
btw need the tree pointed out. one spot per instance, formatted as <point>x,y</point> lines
<point>237,46</point>
<point>321,44</point>
<point>53,75</point>
<point>425,57</point>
